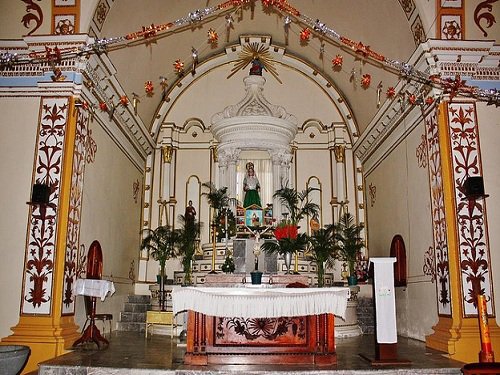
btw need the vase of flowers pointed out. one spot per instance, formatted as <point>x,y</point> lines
<point>286,241</point>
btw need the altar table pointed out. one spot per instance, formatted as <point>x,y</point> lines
<point>260,325</point>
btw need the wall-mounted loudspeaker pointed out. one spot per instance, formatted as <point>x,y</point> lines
<point>40,193</point>
<point>474,187</point>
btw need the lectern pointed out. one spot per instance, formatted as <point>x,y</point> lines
<point>386,334</point>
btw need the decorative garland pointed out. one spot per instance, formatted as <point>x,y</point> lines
<point>53,56</point>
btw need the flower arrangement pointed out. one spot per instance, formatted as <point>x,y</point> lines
<point>286,230</point>
<point>288,239</point>
<point>361,269</point>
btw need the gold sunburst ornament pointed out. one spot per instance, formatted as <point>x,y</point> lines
<point>252,52</point>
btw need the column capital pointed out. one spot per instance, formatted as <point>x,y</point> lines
<point>228,156</point>
<point>167,152</point>
<point>339,151</point>
<point>280,157</point>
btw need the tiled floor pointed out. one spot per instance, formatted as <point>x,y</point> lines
<point>131,353</point>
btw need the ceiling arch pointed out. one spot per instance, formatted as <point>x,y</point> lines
<point>386,26</point>
<point>296,66</point>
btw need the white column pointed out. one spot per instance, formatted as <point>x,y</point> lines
<point>340,178</point>
<point>223,163</point>
<point>166,160</point>
<point>231,176</point>
<point>276,185</point>
<point>281,176</point>
<point>228,158</point>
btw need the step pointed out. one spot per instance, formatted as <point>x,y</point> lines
<point>131,326</point>
<point>136,307</point>
<point>139,298</point>
<point>132,317</point>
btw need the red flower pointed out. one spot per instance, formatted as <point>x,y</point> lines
<point>337,61</point>
<point>286,231</point>
<point>391,92</point>
<point>305,34</point>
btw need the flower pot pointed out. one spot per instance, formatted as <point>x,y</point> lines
<point>288,262</point>
<point>352,280</point>
<point>320,266</point>
<point>256,277</point>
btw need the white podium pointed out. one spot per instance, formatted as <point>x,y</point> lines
<point>386,333</point>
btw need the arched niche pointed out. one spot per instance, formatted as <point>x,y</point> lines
<point>398,251</point>
<point>315,196</point>
<point>193,192</point>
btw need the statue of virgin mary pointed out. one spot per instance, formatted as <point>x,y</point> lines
<point>251,187</point>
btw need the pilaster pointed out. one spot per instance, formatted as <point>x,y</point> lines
<point>46,321</point>
<point>468,269</point>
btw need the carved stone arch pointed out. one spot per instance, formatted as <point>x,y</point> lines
<point>194,127</point>
<point>312,123</point>
<point>194,122</point>
<point>312,127</point>
<point>278,54</point>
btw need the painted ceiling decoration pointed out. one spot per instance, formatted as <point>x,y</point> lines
<point>311,26</point>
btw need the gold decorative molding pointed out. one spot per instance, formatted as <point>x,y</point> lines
<point>215,154</point>
<point>167,152</point>
<point>339,151</point>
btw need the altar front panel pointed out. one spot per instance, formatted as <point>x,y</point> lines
<point>284,340</point>
<point>260,331</point>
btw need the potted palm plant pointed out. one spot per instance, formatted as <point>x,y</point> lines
<point>349,243</point>
<point>297,203</point>
<point>160,244</point>
<point>186,240</point>
<point>287,239</point>
<point>323,251</point>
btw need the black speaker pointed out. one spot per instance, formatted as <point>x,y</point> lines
<point>474,187</point>
<point>40,193</point>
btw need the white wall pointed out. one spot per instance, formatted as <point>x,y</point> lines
<point>111,215</point>
<point>402,206</point>
<point>18,125</point>
<point>489,138</point>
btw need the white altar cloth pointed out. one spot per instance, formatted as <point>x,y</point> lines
<point>94,288</point>
<point>260,303</point>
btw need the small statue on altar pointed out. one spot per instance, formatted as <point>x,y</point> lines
<point>190,213</point>
<point>251,187</point>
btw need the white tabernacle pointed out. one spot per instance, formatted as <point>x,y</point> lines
<point>260,302</point>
